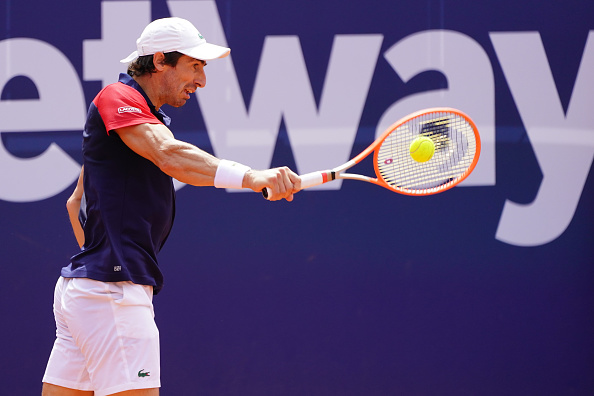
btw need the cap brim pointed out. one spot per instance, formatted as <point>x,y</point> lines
<point>130,57</point>
<point>206,51</point>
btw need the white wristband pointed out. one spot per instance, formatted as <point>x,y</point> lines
<point>230,174</point>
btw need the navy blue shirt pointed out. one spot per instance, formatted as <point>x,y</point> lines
<point>130,202</point>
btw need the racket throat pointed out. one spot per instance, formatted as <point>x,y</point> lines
<point>328,176</point>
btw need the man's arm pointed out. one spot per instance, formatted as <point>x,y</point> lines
<point>73,207</point>
<point>191,165</point>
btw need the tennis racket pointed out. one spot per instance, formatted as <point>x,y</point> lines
<point>456,149</point>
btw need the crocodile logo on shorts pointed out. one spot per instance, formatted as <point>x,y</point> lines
<point>141,373</point>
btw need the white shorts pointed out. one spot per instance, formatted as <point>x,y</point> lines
<point>106,338</point>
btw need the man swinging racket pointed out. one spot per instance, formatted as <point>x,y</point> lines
<point>107,341</point>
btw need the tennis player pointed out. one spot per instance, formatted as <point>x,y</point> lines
<point>122,211</point>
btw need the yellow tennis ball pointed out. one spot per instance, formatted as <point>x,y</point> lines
<point>422,149</point>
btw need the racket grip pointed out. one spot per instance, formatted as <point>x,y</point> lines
<point>312,179</point>
<point>308,180</point>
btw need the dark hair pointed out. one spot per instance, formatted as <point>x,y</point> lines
<point>144,64</point>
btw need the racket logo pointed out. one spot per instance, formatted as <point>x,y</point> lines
<point>388,161</point>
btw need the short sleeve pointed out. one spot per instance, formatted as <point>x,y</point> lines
<point>121,105</point>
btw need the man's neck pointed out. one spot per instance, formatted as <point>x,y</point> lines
<point>149,85</point>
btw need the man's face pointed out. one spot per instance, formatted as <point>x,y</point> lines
<point>182,80</point>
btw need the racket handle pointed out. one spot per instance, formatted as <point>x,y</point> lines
<point>308,180</point>
<point>312,179</point>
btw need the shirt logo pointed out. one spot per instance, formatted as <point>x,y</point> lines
<point>128,109</point>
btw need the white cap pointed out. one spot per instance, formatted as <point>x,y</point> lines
<point>175,34</point>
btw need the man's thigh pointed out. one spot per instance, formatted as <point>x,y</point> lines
<point>139,392</point>
<point>55,390</point>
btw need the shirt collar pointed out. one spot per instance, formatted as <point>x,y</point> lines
<point>128,80</point>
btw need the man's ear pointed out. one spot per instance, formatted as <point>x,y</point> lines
<point>159,60</point>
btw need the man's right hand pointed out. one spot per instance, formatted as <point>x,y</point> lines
<point>282,182</point>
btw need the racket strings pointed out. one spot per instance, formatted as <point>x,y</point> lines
<point>455,149</point>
